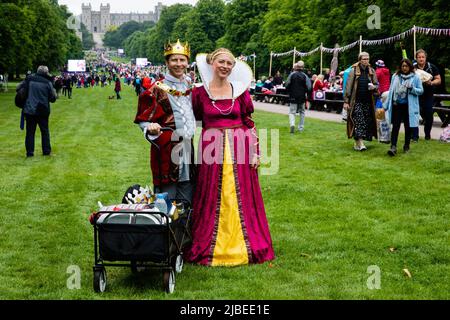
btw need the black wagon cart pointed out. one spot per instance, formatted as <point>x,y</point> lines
<point>140,237</point>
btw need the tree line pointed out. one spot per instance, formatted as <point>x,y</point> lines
<point>262,26</point>
<point>34,33</point>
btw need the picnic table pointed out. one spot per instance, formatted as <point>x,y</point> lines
<point>279,96</point>
<point>442,110</point>
<point>334,100</point>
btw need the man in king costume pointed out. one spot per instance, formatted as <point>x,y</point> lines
<point>165,116</point>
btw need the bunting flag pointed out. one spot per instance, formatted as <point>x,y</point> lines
<point>282,54</point>
<point>341,49</point>
<point>305,54</point>
<point>390,40</point>
<point>246,58</point>
<point>433,32</point>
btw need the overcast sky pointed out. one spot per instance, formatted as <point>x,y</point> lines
<point>118,6</point>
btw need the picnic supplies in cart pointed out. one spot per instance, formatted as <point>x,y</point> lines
<point>141,237</point>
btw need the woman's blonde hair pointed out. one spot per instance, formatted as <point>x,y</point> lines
<point>320,77</point>
<point>213,55</point>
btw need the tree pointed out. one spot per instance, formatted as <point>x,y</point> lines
<point>15,43</point>
<point>160,35</point>
<point>34,34</point>
<point>243,33</point>
<point>87,38</point>
<point>115,38</point>
<point>190,28</point>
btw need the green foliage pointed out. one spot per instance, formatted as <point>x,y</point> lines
<point>116,38</point>
<point>161,34</point>
<point>34,33</point>
<point>87,38</point>
<point>134,44</point>
<point>243,30</point>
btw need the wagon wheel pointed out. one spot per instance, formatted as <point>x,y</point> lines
<point>169,281</point>
<point>178,264</point>
<point>100,280</point>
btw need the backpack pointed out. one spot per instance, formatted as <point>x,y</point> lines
<point>21,94</point>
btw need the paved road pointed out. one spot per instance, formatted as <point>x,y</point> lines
<point>333,116</point>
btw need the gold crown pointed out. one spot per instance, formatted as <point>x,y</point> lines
<point>177,48</point>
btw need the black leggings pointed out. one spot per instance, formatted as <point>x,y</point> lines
<point>400,114</point>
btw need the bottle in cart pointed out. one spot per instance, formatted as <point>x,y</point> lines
<point>160,203</point>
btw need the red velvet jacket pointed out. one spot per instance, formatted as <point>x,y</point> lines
<point>154,106</point>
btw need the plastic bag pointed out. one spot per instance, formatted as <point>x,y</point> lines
<point>384,131</point>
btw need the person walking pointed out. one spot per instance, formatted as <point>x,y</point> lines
<point>361,85</point>
<point>37,110</point>
<point>118,88</point>
<point>426,100</point>
<point>68,84</point>
<point>403,103</point>
<point>298,85</point>
<point>384,80</point>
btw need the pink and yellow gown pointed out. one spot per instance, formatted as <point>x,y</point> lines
<point>229,224</point>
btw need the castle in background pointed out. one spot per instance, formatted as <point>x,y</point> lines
<point>101,21</point>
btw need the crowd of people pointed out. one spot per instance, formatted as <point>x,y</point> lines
<point>363,89</point>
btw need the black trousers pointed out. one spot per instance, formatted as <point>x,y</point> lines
<point>400,114</point>
<point>69,92</point>
<point>33,121</point>
<point>426,112</point>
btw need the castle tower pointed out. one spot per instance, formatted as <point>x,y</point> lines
<point>158,10</point>
<point>105,17</point>
<point>86,16</point>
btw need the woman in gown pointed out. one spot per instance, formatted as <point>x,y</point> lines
<point>229,224</point>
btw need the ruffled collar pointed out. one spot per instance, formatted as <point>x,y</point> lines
<point>240,78</point>
<point>171,78</point>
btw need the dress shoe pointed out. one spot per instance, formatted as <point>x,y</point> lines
<point>392,151</point>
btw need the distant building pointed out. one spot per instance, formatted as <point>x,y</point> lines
<point>101,21</point>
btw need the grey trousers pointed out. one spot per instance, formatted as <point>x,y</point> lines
<point>297,108</point>
<point>179,191</point>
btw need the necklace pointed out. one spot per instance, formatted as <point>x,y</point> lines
<point>174,92</point>
<point>225,112</point>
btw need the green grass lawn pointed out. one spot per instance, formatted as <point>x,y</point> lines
<point>332,212</point>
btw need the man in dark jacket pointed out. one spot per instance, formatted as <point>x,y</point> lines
<point>298,85</point>
<point>426,100</point>
<point>37,109</point>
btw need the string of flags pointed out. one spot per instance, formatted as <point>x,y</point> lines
<point>390,40</point>
<point>246,58</point>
